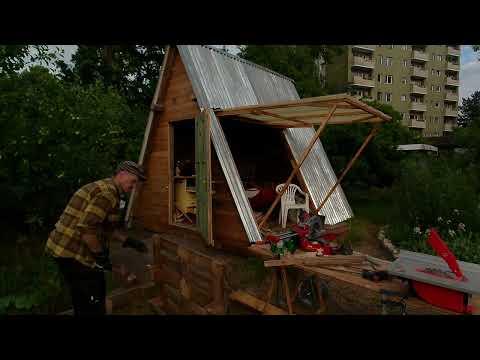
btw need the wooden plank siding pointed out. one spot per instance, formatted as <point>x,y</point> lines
<point>178,101</point>
<point>151,208</point>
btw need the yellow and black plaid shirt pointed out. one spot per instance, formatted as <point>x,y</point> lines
<point>93,209</point>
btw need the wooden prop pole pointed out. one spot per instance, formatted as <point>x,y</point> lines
<point>295,170</point>
<point>352,161</point>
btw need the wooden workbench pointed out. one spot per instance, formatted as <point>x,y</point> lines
<point>415,306</point>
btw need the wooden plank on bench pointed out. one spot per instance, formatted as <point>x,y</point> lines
<point>255,303</point>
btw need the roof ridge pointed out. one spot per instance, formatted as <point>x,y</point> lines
<point>238,58</point>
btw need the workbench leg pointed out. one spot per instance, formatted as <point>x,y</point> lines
<point>287,290</point>
<point>270,291</point>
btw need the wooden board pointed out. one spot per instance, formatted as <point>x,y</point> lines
<point>203,177</point>
<point>255,303</point>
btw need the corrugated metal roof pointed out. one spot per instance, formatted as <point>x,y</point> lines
<point>222,81</point>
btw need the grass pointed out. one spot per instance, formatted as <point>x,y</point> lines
<point>29,281</point>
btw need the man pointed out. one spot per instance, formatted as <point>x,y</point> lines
<point>80,241</point>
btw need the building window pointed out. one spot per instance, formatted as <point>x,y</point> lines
<point>404,81</point>
<point>405,63</point>
<point>388,61</point>
<point>438,73</point>
<point>404,47</point>
<point>437,105</point>
<point>433,87</point>
<point>388,97</point>
<point>439,89</point>
<point>379,77</point>
<point>403,98</point>
<point>439,57</point>
<point>379,95</point>
<point>433,71</point>
<point>388,79</point>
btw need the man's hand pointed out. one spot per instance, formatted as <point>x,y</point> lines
<point>135,244</point>
<point>102,259</point>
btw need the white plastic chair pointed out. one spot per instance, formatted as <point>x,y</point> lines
<point>288,202</point>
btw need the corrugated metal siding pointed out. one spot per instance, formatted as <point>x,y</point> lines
<point>233,178</point>
<point>319,175</point>
<point>223,81</point>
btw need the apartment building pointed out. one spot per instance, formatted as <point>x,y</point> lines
<point>419,81</point>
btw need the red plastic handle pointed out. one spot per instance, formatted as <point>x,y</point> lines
<point>443,251</point>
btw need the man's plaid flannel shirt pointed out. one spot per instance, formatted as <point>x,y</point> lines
<point>93,209</point>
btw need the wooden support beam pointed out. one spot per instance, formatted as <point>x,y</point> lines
<point>358,104</point>
<point>255,303</point>
<point>349,165</point>
<point>297,168</point>
<point>287,290</point>
<point>262,112</point>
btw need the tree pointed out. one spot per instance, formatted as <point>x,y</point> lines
<point>468,135</point>
<point>56,136</point>
<point>298,62</point>
<point>132,70</point>
<point>14,58</point>
<point>469,111</point>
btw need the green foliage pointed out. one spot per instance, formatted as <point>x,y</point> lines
<point>429,191</point>
<point>29,281</point>
<point>297,62</point>
<point>461,240</point>
<point>132,70</point>
<point>55,137</point>
<point>469,111</point>
<point>14,58</point>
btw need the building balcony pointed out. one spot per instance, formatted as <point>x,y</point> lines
<point>451,112</point>
<point>453,67</point>
<point>370,48</point>
<point>418,72</point>
<point>418,124</point>
<point>452,82</point>
<point>449,96</point>
<point>417,106</point>
<point>452,51</point>
<point>419,55</point>
<point>418,90</point>
<point>449,126</point>
<point>360,81</point>
<point>364,63</point>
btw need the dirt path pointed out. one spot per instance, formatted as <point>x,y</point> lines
<point>370,245</point>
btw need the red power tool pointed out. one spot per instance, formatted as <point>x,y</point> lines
<point>449,288</point>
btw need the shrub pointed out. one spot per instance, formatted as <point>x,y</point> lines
<point>55,137</point>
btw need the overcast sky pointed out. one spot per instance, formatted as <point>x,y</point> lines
<point>469,69</point>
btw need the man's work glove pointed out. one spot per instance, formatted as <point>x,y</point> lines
<point>135,244</point>
<point>102,260</point>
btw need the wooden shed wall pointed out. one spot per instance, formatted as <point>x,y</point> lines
<point>178,101</point>
<point>151,206</point>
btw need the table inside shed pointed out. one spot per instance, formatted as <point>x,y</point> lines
<point>362,288</point>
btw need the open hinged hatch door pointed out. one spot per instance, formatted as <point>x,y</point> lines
<point>303,115</point>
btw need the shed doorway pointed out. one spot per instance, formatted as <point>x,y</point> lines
<point>183,202</point>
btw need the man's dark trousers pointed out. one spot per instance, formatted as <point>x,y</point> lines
<point>87,287</point>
